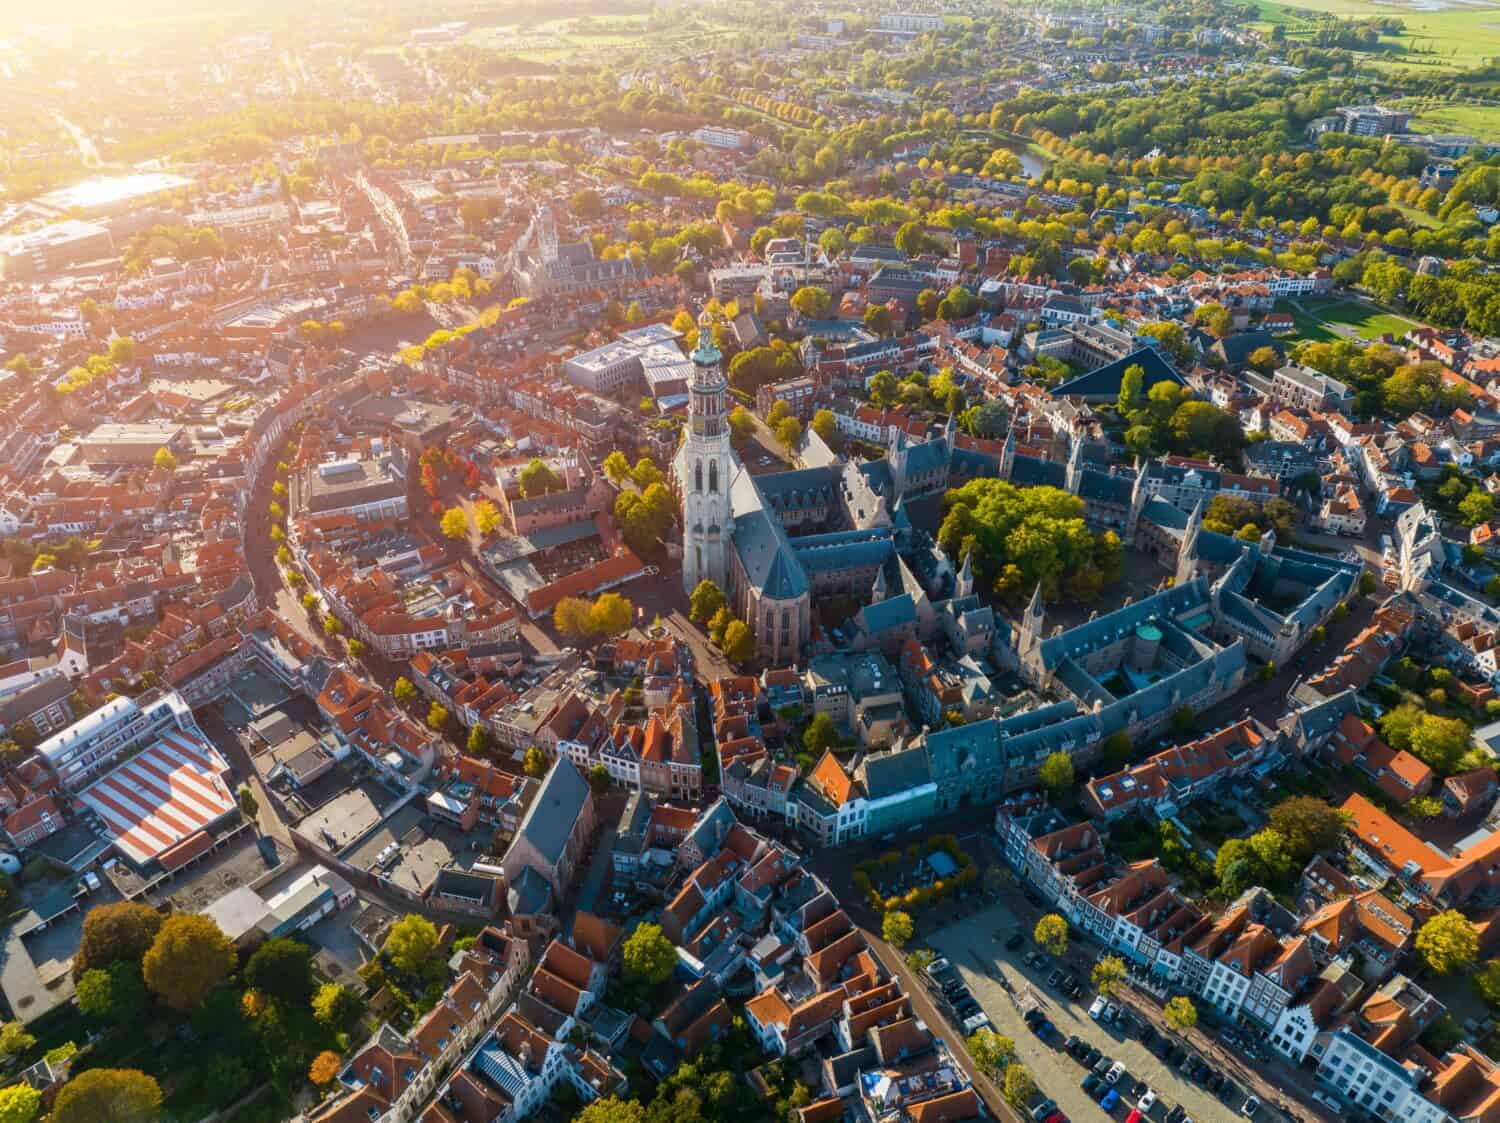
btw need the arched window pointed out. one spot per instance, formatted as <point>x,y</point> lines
<point>698,475</point>
<point>713,476</point>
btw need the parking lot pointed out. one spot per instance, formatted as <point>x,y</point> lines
<point>1000,980</point>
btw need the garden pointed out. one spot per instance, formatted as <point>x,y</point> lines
<point>916,878</point>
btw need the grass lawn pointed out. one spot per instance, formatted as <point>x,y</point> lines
<point>1480,121</point>
<point>1440,34</point>
<point>1307,327</point>
<point>1367,321</point>
<point>1418,218</point>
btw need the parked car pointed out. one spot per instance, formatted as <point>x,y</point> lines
<point>1250,1107</point>
<point>1104,1064</point>
<point>1044,1109</point>
<point>1110,1101</point>
<point>1112,1013</point>
<point>1090,1084</point>
<point>1176,1114</point>
<point>1015,941</point>
<point>1116,1071</point>
<point>937,967</point>
<point>1146,1102</point>
<point>1096,1008</point>
<point>1071,1044</point>
<point>1091,1056</point>
<point>1055,978</point>
<point>1135,1116</point>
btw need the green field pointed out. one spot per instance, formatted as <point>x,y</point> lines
<point>1365,320</point>
<point>1440,34</point>
<point>1480,121</point>
<point>560,39</point>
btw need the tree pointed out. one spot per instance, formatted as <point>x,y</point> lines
<point>599,779</point>
<point>1108,974</point>
<point>412,942</point>
<point>486,517</point>
<point>114,933</point>
<point>739,644</point>
<point>283,969</point>
<point>115,993</point>
<point>108,1095</point>
<point>1056,774</point>
<point>572,618</point>
<point>478,741</point>
<point>1019,1087</point>
<point>437,717</point>
<point>1116,748</point>
<point>122,351</point>
<point>1448,942</point>
<point>332,626</point>
<point>538,479</point>
<point>337,1007</point>
<point>611,1110</point>
<point>1477,507</point>
<point>811,302</point>
<point>616,467</point>
<point>706,600</point>
<point>165,459</point>
<point>535,763</point>
<point>1486,982</point>
<point>19,1103</point>
<point>1051,934</point>
<point>896,928</point>
<point>188,958</point>
<point>1180,1013</point>
<point>1308,824</point>
<point>455,524</point>
<point>404,692</point>
<point>649,956</point>
<point>14,1040</point>
<point>741,425</point>
<point>1131,383</point>
<point>789,432</point>
<point>645,473</point>
<point>610,614</point>
<point>820,735</point>
<point>991,1051</point>
<point>324,1068</point>
<point>825,425</point>
<point>587,203</point>
<point>249,808</point>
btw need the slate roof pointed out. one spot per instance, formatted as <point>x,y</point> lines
<point>892,773</point>
<point>550,818</point>
<point>1105,381</point>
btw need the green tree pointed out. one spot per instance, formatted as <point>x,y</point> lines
<point>789,432</point>
<point>825,425</point>
<point>572,618</point>
<point>1477,507</point>
<point>108,1095</point>
<point>1108,974</point>
<point>991,1051</point>
<point>649,956</point>
<point>411,944</point>
<point>645,473</point>
<point>113,933</point>
<point>896,928</point>
<point>1486,982</point>
<point>609,1109</point>
<point>1308,824</point>
<point>1117,749</point>
<point>1448,942</point>
<point>538,479</point>
<point>820,735</point>
<point>165,459</point>
<point>187,960</point>
<point>14,1040</point>
<point>1051,934</point>
<point>706,600</point>
<point>116,993</point>
<point>282,969</point>
<point>616,467</point>
<point>739,644</point>
<point>437,717</point>
<point>599,779</point>
<point>19,1103</point>
<point>1056,774</point>
<point>811,302</point>
<point>478,740</point>
<point>1131,383</point>
<point>249,807</point>
<point>610,614</point>
<point>337,1007</point>
<point>404,692</point>
<point>535,763</point>
<point>1180,1013</point>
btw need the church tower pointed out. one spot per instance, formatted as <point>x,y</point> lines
<point>704,468</point>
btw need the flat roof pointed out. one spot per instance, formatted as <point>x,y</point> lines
<point>107,191</point>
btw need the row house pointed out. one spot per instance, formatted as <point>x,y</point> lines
<point>1167,781</point>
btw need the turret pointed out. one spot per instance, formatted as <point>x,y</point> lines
<point>1008,455</point>
<point>1075,464</point>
